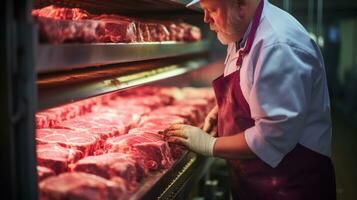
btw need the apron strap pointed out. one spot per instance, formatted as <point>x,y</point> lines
<point>248,44</point>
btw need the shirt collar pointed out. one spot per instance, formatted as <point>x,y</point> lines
<point>240,43</point>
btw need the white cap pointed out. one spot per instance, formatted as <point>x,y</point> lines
<point>192,2</point>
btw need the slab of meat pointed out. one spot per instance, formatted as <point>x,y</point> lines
<point>106,120</point>
<point>116,29</point>
<point>60,31</point>
<point>191,33</point>
<point>55,12</point>
<point>151,101</point>
<point>162,119</point>
<point>112,165</point>
<point>81,186</point>
<point>44,172</point>
<point>190,113</point>
<point>80,140</point>
<point>175,149</point>
<point>101,131</point>
<point>203,105</point>
<point>52,117</point>
<point>128,115</point>
<point>56,157</point>
<point>198,93</point>
<point>158,32</point>
<point>149,146</point>
<point>58,25</point>
<point>143,33</point>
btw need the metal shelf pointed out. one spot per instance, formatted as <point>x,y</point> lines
<point>51,58</point>
<point>170,183</point>
<point>58,89</point>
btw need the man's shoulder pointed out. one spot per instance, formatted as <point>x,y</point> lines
<point>278,27</point>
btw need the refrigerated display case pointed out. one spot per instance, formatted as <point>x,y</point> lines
<point>39,76</point>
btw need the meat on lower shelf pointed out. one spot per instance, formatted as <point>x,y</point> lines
<point>126,166</point>
<point>81,186</point>
<point>115,138</point>
<point>59,25</point>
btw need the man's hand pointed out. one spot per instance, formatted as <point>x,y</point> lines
<point>211,121</point>
<point>192,137</point>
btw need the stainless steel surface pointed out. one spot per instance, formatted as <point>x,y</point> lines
<point>175,182</point>
<point>61,57</point>
<point>65,92</point>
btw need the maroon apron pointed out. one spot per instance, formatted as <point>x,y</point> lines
<point>302,174</point>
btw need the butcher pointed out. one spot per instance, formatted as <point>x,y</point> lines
<point>273,111</point>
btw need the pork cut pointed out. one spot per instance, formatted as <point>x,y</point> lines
<point>63,31</point>
<point>56,157</point>
<point>81,186</point>
<point>162,119</point>
<point>80,140</point>
<point>148,146</point>
<point>61,13</point>
<point>43,173</point>
<point>100,128</point>
<point>111,165</point>
<point>190,113</point>
<point>115,29</point>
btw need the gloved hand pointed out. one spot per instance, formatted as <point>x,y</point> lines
<point>211,121</point>
<point>192,137</point>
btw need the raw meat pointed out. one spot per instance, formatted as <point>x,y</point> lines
<point>52,117</point>
<point>151,101</point>
<point>111,165</point>
<point>55,12</point>
<point>80,140</point>
<point>162,119</point>
<point>191,33</point>
<point>81,186</point>
<point>202,105</point>
<point>149,146</point>
<point>56,157</point>
<point>190,113</point>
<point>115,29</point>
<point>61,31</point>
<point>43,173</point>
<point>59,25</point>
<point>99,126</point>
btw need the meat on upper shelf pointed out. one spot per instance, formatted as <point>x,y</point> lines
<point>62,25</point>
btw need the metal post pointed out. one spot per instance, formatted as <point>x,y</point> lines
<point>310,15</point>
<point>286,5</point>
<point>18,101</point>
<point>319,16</point>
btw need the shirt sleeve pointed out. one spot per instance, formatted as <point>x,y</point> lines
<point>278,101</point>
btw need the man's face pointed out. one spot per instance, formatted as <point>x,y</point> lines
<point>221,20</point>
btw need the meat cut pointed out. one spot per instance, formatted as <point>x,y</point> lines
<point>56,158</point>
<point>106,147</point>
<point>115,28</point>
<point>126,166</point>
<point>56,12</point>
<point>59,25</point>
<point>148,146</point>
<point>43,173</point>
<point>162,119</point>
<point>80,140</point>
<point>81,186</point>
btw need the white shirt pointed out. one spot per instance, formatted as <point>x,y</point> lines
<point>283,80</point>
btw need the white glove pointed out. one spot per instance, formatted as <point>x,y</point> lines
<point>192,137</point>
<point>211,122</point>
